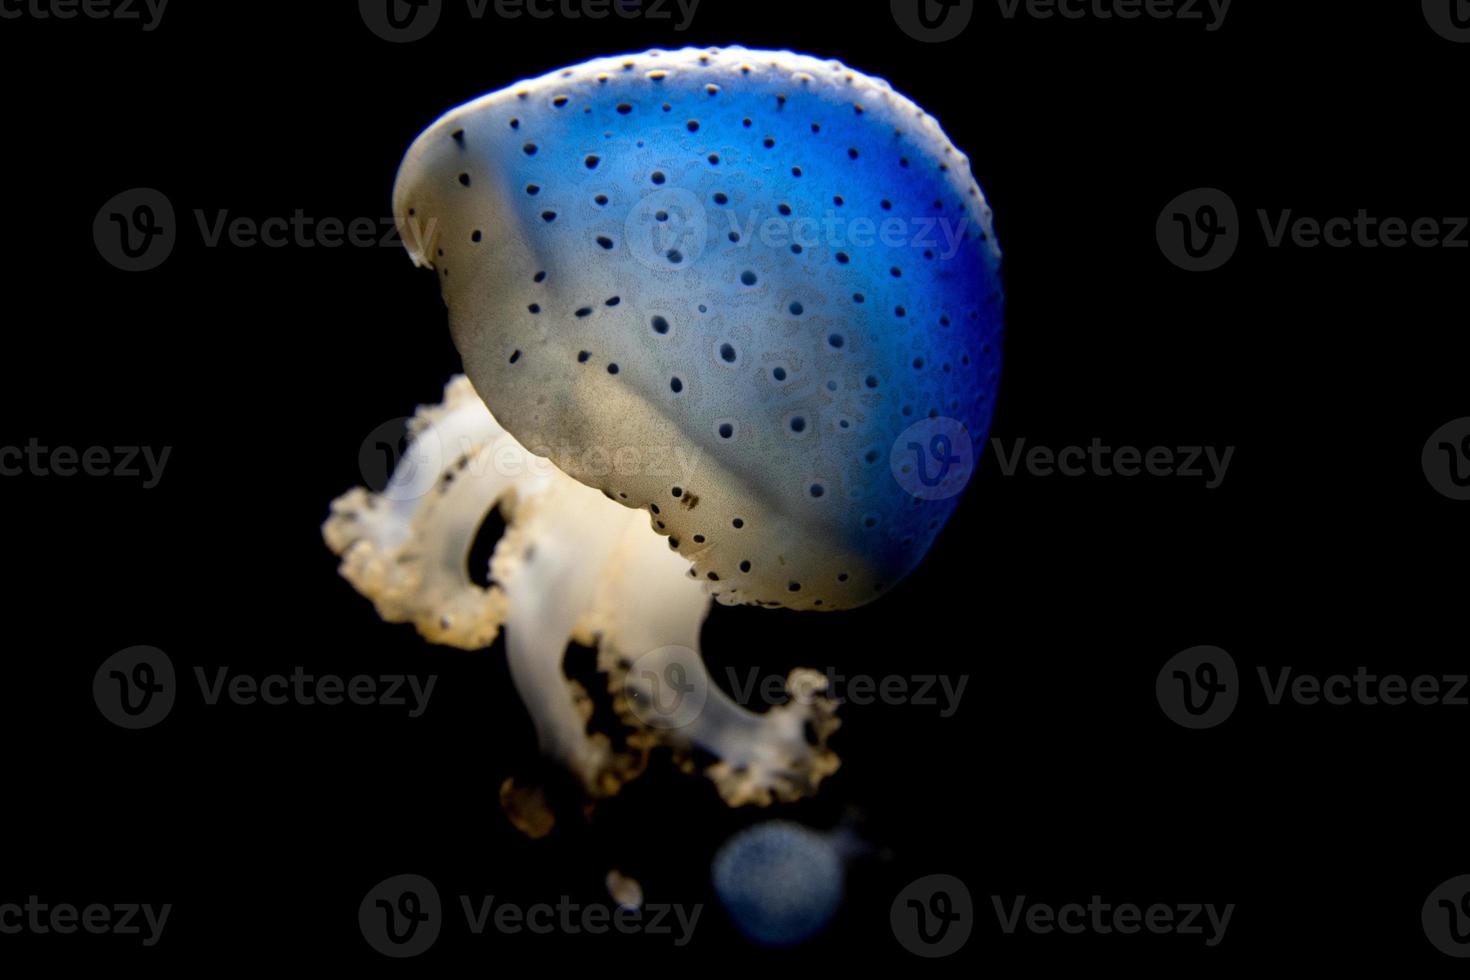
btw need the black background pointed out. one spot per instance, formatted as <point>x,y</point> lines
<point>1059,778</point>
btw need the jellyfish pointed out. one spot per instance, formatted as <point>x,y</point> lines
<point>669,403</point>
<point>780,882</point>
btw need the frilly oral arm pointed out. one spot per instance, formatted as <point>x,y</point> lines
<point>649,619</point>
<point>405,548</point>
<point>572,565</point>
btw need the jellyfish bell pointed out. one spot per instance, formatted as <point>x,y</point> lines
<point>765,263</point>
<point>725,408</point>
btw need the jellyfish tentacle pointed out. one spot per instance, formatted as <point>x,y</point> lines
<point>572,565</point>
<point>550,563</point>
<point>406,547</point>
<point>650,619</point>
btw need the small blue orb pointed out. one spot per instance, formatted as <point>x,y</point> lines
<point>780,882</point>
